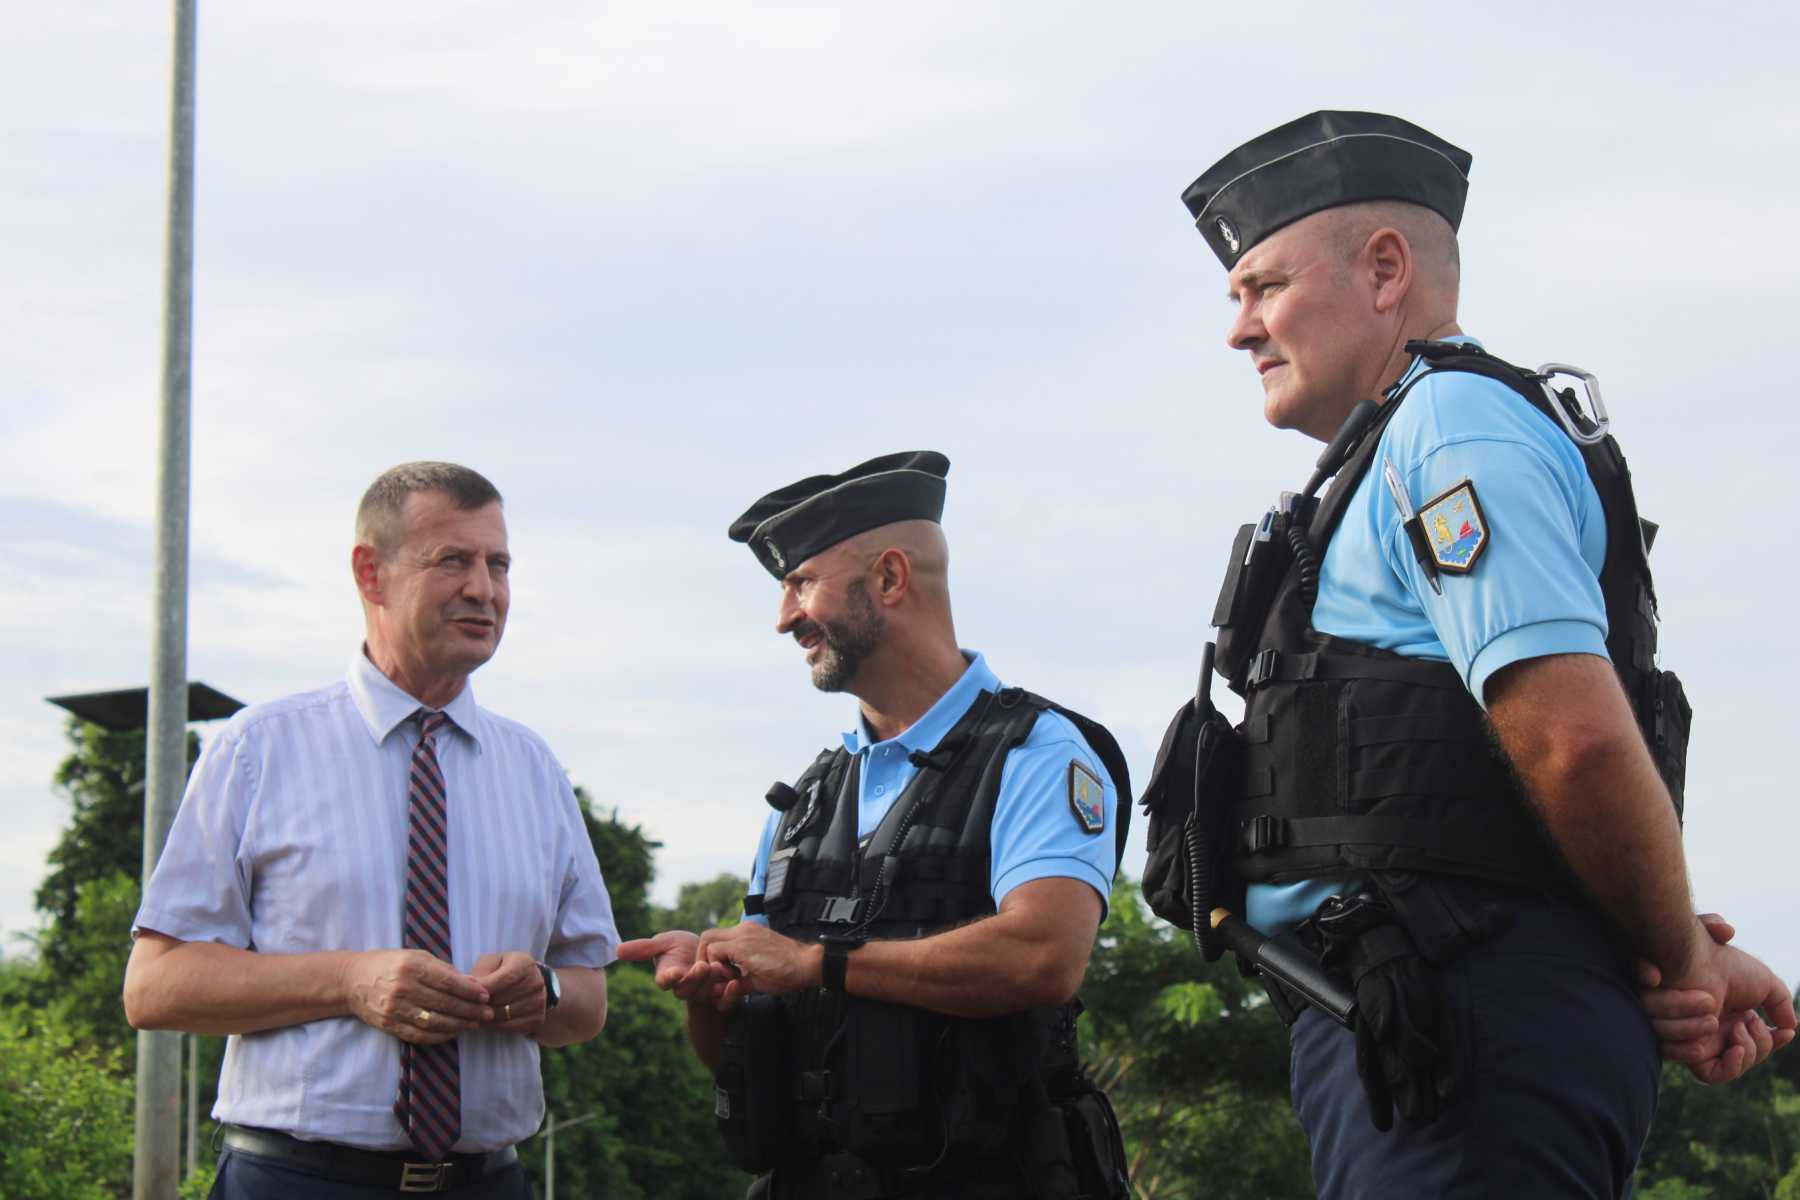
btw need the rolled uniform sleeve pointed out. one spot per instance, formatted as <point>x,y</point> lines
<point>1535,590</point>
<point>200,890</point>
<point>1037,833</point>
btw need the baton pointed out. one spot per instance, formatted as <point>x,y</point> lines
<point>1284,959</point>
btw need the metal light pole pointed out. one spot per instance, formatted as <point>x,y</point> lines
<point>193,1104</point>
<point>154,1173</point>
<point>550,1128</point>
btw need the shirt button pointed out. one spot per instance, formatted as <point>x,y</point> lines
<point>881,789</point>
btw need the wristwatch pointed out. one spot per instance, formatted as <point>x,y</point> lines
<point>552,986</point>
<point>837,960</point>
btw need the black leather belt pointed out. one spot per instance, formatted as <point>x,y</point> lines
<point>395,1169</point>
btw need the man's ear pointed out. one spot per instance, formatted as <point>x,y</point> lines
<point>1388,260</point>
<point>365,568</point>
<point>891,574</point>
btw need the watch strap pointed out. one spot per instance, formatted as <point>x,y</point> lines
<point>836,964</point>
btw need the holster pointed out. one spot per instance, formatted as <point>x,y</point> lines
<point>750,1086</point>
<point>1444,916</point>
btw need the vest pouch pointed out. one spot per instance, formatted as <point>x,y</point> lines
<point>1260,557</point>
<point>1190,799</point>
<point>1671,716</point>
<point>1096,1147</point>
<point>891,1115</point>
<point>751,1090</point>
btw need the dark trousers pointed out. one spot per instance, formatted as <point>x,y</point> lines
<point>1557,1077</point>
<point>247,1177</point>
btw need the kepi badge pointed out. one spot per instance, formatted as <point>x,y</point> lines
<point>1087,796</point>
<point>1456,529</point>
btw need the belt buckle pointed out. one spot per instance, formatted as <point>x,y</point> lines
<point>423,1177</point>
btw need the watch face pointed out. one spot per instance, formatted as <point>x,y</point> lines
<point>552,987</point>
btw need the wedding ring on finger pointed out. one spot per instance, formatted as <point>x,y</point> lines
<point>424,1018</point>
<point>506,1011</point>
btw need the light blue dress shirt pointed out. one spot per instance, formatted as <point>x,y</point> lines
<point>1036,834</point>
<point>1535,591</point>
<point>292,839</point>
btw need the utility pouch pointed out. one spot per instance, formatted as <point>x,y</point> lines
<point>1671,716</point>
<point>891,1115</point>
<point>750,1086</point>
<point>1191,800</point>
<point>1260,557</point>
<point>1096,1147</point>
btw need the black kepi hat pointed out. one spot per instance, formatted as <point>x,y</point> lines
<point>790,525</point>
<point>1320,161</point>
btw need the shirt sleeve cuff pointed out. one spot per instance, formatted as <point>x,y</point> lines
<point>187,929</point>
<point>1532,641</point>
<point>1054,868</point>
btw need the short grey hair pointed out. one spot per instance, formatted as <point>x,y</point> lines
<point>380,516</point>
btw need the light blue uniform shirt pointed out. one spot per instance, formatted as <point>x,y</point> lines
<point>1036,834</point>
<point>1535,591</point>
<point>292,839</point>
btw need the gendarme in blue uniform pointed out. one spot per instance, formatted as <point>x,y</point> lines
<point>1035,833</point>
<point>1535,592</point>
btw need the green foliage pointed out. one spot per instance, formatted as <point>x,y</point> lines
<point>106,826</point>
<point>1195,1062</point>
<point>627,862</point>
<point>654,1136</point>
<point>198,1185</point>
<point>1739,1140</point>
<point>67,1112</point>
<point>716,903</point>
<point>97,940</point>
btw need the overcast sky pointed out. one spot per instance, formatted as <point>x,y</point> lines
<point>641,262</point>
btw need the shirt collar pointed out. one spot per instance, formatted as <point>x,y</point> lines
<point>940,718</point>
<point>384,706</point>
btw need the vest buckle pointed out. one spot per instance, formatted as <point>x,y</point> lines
<point>839,910</point>
<point>1264,832</point>
<point>1262,668</point>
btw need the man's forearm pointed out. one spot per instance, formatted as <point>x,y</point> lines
<point>983,969</point>
<point>1572,738</point>
<point>204,987</point>
<point>581,1013</point>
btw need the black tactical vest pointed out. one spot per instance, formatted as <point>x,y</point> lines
<point>1358,758</point>
<point>901,1085</point>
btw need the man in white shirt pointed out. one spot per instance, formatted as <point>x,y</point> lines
<point>384,893</point>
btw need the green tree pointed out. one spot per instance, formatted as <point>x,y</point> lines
<point>627,859</point>
<point>67,1111</point>
<point>717,902</point>
<point>654,1134</point>
<point>1195,1062</point>
<point>105,834</point>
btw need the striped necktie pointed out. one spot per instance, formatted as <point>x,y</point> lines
<point>430,1101</point>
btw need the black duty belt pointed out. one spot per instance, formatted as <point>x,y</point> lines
<point>397,1169</point>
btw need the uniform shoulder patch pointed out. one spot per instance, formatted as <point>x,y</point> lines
<point>1455,528</point>
<point>1087,797</point>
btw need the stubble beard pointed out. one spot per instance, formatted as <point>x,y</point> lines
<point>849,642</point>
